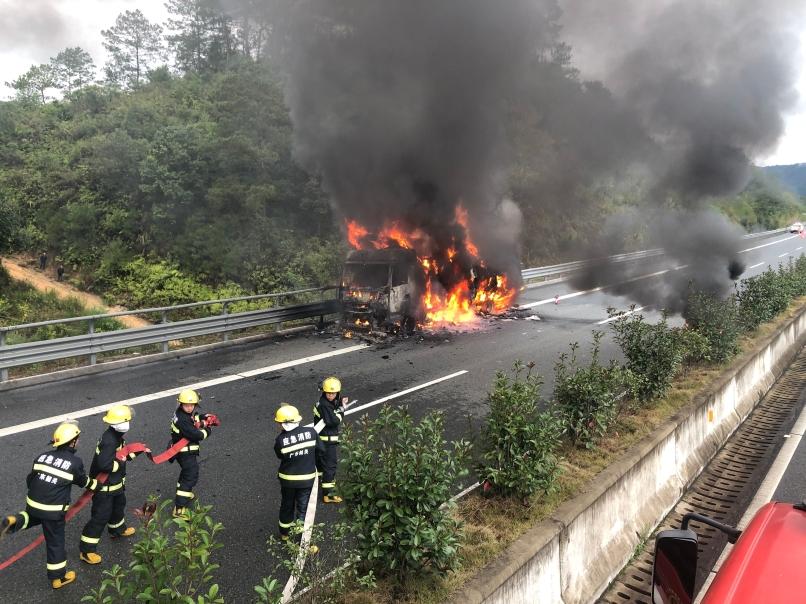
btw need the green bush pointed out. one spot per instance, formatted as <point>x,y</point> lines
<point>587,397</point>
<point>519,455</point>
<point>717,320</point>
<point>321,563</point>
<point>654,352</point>
<point>397,477</point>
<point>170,562</point>
<point>763,297</point>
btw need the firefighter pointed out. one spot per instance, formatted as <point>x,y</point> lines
<point>193,426</point>
<point>109,502</point>
<point>49,484</point>
<point>330,410</point>
<point>296,446</point>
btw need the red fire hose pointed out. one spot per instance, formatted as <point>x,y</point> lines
<point>120,455</point>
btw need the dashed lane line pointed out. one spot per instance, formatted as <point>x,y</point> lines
<point>756,266</point>
<point>758,247</point>
<point>621,314</point>
<point>55,419</point>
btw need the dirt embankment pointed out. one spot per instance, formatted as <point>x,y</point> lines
<point>20,269</point>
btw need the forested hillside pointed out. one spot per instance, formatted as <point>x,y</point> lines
<point>171,178</point>
<point>793,177</point>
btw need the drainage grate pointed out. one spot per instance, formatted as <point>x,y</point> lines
<point>726,485</point>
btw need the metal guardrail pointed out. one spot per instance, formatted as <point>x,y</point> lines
<point>576,265</point>
<point>93,343</point>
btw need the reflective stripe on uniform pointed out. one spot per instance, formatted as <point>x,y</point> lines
<point>115,466</point>
<point>117,524</point>
<point>189,448</point>
<point>86,539</point>
<point>328,485</point>
<point>45,507</point>
<point>287,524</point>
<point>57,565</point>
<point>203,431</point>
<point>113,487</point>
<point>25,523</point>
<point>174,428</point>
<point>184,494</point>
<point>298,446</point>
<point>332,439</point>
<point>296,476</point>
<point>40,467</point>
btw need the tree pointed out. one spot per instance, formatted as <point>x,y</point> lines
<point>34,83</point>
<point>135,45</point>
<point>72,69</point>
<point>204,38</point>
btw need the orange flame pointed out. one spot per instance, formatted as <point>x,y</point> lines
<point>490,294</point>
<point>355,233</point>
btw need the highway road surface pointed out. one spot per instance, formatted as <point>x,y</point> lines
<point>243,385</point>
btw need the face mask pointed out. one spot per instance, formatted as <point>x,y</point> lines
<point>122,427</point>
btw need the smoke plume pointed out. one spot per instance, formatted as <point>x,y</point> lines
<point>406,108</point>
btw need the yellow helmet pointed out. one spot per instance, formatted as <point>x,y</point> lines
<point>65,432</point>
<point>188,397</point>
<point>331,384</point>
<point>118,414</point>
<point>287,413</point>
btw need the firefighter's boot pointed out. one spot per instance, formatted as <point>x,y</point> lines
<point>68,577</point>
<point>90,557</point>
<point>130,530</point>
<point>6,524</point>
<point>331,499</point>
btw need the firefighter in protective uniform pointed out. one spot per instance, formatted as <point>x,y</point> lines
<point>330,410</point>
<point>296,447</point>
<point>186,423</point>
<point>49,484</point>
<point>109,502</point>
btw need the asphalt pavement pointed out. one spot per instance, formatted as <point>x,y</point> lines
<point>448,371</point>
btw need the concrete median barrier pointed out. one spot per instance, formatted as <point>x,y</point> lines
<point>573,556</point>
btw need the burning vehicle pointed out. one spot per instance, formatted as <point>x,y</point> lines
<point>404,276</point>
<point>378,287</point>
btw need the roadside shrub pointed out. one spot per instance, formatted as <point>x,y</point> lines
<point>654,352</point>
<point>397,477</point>
<point>587,397</point>
<point>170,562</point>
<point>321,563</point>
<point>762,298</point>
<point>519,442</point>
<point>717,320</point>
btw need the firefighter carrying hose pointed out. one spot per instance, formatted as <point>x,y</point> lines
<point>109,502</point>
<point>330,410</point>
<point>49,484</point>
<point>297,447</point>
<point>186,423</point>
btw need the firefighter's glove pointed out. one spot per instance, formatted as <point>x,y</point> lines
<point>211,420</point>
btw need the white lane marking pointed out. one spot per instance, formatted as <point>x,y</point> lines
<point>351,410</point>
<point>758,247</point>
<point>765,491</point>
<point>784,254</point>
<point>55,419</point>
<point>307,528</point>
<point>756,265</point>
<point>621,314</point>
<point>596,289</point>
<point>800,247</point>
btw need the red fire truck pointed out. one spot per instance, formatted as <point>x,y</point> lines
<point>767,564</point>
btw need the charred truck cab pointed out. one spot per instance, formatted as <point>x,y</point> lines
<point>380,289</point>
<point>766,565</point>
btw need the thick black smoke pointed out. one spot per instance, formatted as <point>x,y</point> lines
<point>402,107</point>
<point>709,82</point>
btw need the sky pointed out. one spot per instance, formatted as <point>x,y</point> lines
<point>32,31</point>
